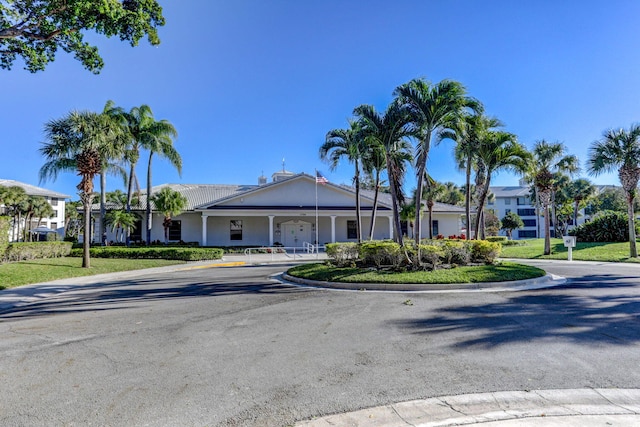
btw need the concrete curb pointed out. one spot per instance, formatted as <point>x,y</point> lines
<point>505,408</point>
<point>547,281</point>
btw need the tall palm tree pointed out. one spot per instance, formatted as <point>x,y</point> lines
<point>432,107</point>
<point>171,203</point>
<point>389,129</point>
<point>431,193</point>
<point>121,222</point>
<point>348,144</point>
<point>580,190</point>
<point>498,151</point>
<point>374,163</point>
<point>620,150</point>
<point>13,197</point>
<point>78,142</point>
<point>549,158</point>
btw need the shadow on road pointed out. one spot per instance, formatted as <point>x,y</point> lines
<point>609,313</point>
<point>106,296</point>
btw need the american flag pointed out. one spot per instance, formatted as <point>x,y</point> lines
<point>321,179</point>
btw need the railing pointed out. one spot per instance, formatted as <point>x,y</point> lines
<point>289,252</point>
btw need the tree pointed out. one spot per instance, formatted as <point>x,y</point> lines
<point>373,164</point>
<point>389,130</point>
<point>510,222</point>
<point>171,203</point>
<point>549,158</point>
<point>78,142</point>
<point>121,223</point>
<point>37,207</point>
<point>579,190</point>
<point>431,193</point>
<point>497,151</point>
<point>34,30</point>
<point>12,198</point>
<point>620,150</point>
<point>72,223</point>
<point>609,199</point>
<point>431,107</point>
<point>348,144</point>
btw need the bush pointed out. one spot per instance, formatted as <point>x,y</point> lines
<point>484,251</point>
<point>182,254</point>
<point>500,239</point>
<point>432,255</point>
<point>342,254</point>
<point>608,226</point>
<point>5,224</point>
<point>456,252</point>
<point>36,250</point>
<point>379,253</point>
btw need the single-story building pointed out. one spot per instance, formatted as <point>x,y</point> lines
<point>292,210</point>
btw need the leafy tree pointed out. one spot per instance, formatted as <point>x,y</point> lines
<point>620,150</point>
<point>13,197</point>
<point>34,30</point>
<point>492,222</point>
<point>389,129</point>
<point>510,222</point>
<point>579,190</point>
<point>171,203</point>
<point>72,222</point>
<point>348,144</point>
<point>608,199</point>
<point>78,142</point>
<point>35,207</point>
<point>432,107</point>
<point>549,158</point>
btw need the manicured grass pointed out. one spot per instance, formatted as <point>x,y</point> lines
<point>487,273</point>
<point>534,249</point>
<point>44,270</point>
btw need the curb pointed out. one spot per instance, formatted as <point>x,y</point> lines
<point>547,281</point>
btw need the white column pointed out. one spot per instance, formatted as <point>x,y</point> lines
<point>271,229</point>
<point>333,228</point>
<point>204,229</point>
<point>390,227</point>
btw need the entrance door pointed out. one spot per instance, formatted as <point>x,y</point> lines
<point>295,233</point>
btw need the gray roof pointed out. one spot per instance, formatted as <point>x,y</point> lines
<point>510,191</point>
<point>32,190</point>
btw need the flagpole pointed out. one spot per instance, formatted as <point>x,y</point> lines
<point>317,225</point>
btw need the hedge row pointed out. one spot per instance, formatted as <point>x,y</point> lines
<point>431,254</point>
<point>608,226</point>
<point>183,254</point>
<point>5,225</point>
<point>20,251</point>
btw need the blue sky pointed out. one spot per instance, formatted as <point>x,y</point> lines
<point>248,83</point>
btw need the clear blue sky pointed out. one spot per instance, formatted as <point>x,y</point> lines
<point>248,83</point>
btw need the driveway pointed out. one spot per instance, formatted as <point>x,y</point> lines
<point>234,346</point>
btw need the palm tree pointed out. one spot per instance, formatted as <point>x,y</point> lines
<point>549,158</point>
<point>347,143</point>
<point>374,163</point>
<point>580,190</point>
<point>432,107</point>
<point>431,193</point>
<point>620,150</point>
<point>121,222</point>
<point>78,142</point>
<point>171,203</point>
<point>389,130</point>
<point>13,197</point>
<point>497,151</point>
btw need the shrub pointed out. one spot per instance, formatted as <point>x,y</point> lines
<point>342,254</point>
<point>608,226</point>
<point>484,251</point>
<point>432,255</point>
<point>456,252</point>
<point>36,250</point>
<point>500,239</point>
<point>182,254</point>
<point>5,224</point>
<point>379,253</point>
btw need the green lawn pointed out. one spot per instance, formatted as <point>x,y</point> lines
<point>534,249</point>
<point>487,273</point>
<point>44,270</point>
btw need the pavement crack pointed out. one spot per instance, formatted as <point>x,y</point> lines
<point>618,405</point>
<point>401,417</point>
<point>451,407</point>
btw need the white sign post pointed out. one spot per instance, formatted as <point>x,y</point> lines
<point>569,243</point>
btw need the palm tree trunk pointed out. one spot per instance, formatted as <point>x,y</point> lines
<point>430,206</point>
<point>130,193</point>
<point>394,203</point>
<point>103,202</point>
<point>375,205</point>
<point>86,244</point>
<point>467,198</point>
<point>633,250</point>
<point>149,217</point>
<point>481,200</point>
<point>417,229</point>
<point>358,216</point>
<point>554,213</point>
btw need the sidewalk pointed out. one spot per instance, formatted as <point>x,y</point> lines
<point>544,408</point>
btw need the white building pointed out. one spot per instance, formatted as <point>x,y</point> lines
<point>55,199</point>
<point>282,211</point>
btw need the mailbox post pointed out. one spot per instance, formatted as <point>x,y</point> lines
<point>569,243</point>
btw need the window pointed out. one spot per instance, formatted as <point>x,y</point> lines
<point>529,222</point>
<point>236,229</point>
<point>524,201</point>
<point>527,234</point>
<point>352,230</point>
<point>54,201</point>
<point>507,202</point>
<point>54,226</point>
<point>527,212</point>
<point>434,227</point>
<point>175,230</point>
<point>136,231</point>
<point>55,214</point>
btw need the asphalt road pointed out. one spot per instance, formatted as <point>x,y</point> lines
<point>233,346</point>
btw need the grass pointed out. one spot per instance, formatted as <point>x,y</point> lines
<point>500,272</point>
<point>44,270</point>
<point>606,252</point>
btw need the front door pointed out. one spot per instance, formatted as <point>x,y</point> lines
<point>295,233</point>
